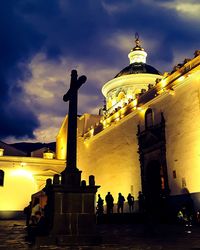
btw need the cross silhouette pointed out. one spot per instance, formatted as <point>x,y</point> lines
<point>72,97</point>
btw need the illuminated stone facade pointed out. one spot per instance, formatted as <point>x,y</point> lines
<point>151,122</point>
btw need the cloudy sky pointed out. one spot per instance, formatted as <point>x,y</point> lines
<point>41,41</point>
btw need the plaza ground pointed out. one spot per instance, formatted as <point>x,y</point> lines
<point>114,236</point>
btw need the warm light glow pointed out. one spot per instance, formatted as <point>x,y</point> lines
<point>63,151</point>
<point>142,111</point>
<point>129,84</point>
<point>181,78</point>
<point>1,151</point>
<point>161,91</point>
<point>134,102</point>
<point>22,172</point>
<point>137,56</point>
<point>171,92</point>
<point>48,155</point>
<point>114,101</point>
<point>19,185</point>
<point>91,131</point>
<point>163,83</point>
<point>116,115</point>
<point>130,94</point>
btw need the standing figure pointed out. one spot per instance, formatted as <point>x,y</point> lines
<point>27,212</point>
<point>36,207</point>
<point>40,228</point>
<point>141,202</point>
<point>109,203</point>
<point>198,217</point>
<point>99,205</point>
<point>120,203</point>
<point>130,200</point>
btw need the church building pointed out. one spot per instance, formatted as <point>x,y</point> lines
<point>147,137</point>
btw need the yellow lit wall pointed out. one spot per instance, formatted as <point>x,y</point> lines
<point>111,155</point>
<point>182,114</point>
<point>84,123</point>
<point>24,176</point>
<point>18,187</point>
<point>112,158</point>
<point>61,139</point>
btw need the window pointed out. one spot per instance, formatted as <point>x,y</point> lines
<point>1,177</point>
<point>148,118</point>
<point>121,96</point>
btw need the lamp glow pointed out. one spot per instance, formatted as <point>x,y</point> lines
<point>22,173</point>
<point>1,151</point>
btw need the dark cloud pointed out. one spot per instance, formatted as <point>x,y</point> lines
<point>18,122</point>
<point>79,30</point>
<point>17,43</point>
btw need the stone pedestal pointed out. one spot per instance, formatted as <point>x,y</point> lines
<point>71,214</point>
<point>71,178</point>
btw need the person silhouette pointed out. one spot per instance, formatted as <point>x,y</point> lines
<point>141,202</point>
<point>39,228</point>
<point>36,207</point>
<point>100,205</point>
<point>27,212</point>
<point>120,203</point>
<point>109,203</point>
<point>130,200</point>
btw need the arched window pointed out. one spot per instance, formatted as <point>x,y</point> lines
<point>1,177</point>
<point>148,118</point>
<point>121,96</point>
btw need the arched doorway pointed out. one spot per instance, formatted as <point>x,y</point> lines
<point>153,183</point>
<point>155,190</point>
<point>153,163</point>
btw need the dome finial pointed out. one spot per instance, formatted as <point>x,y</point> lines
<point>137,41</point>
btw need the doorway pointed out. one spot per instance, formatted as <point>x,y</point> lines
<point>153,181</point>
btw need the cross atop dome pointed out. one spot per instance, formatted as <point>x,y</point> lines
<point>137,54</point>
<point>137,43</point>
<point>136,36</point>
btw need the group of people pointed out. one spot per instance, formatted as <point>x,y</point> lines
<point>120,203</point>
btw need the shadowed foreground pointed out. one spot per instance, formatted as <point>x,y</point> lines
<point>132,236</point>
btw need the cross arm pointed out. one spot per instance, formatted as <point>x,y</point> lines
<point>75,85</point>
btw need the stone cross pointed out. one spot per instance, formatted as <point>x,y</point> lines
<point>72,97</point>
<point>70,209</point>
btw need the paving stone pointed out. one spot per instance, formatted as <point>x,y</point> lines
<point>131,237</point>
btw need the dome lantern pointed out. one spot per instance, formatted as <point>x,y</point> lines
<point>131,80</point>
<point>137,54</point>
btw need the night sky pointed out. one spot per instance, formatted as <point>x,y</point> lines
<point>41,41</point>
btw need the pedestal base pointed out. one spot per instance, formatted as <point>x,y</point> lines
<point>71,178</point>
<point>71,213</point>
